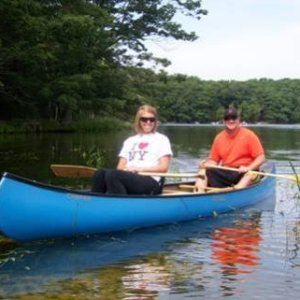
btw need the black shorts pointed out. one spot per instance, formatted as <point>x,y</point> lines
<point>222,178</point>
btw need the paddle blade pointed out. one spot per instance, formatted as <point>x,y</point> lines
<point>72,171</point>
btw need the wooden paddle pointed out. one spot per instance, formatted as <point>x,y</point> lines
<point>295,178</point>
<point>84,171</point>
<point>72,171</point>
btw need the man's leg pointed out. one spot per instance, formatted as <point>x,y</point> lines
<point>222,178</point>
<point>201,183</point>
<point>245,181</point>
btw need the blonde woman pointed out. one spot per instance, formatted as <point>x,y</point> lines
<point>146,151</point>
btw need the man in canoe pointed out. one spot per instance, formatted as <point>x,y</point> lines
<point>234,147</point>
<point>147,151</point>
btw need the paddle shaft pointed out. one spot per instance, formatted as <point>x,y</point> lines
<point>290,177</point>
<point>84,171</point>
<point>174,175</point>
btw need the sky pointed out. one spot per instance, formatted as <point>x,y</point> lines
<point>238,40</point>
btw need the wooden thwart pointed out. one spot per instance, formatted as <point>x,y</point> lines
<point>212,189</point>
<point>171,192</point>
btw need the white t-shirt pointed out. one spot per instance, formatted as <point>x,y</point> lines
<point>145,150</point>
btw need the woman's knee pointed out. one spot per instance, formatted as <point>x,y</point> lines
<point>98,183</point>
<point>100,173</point>
<point>111,175</point>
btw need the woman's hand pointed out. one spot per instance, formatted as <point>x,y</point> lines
<point>132,169</point>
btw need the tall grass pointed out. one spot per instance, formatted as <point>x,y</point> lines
<point>100,124</point>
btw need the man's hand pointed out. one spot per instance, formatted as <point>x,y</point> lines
<point>199,186</point>
<point>244,169</point>
<point>202,164</point>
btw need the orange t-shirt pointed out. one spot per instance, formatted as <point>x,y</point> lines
<point>237,150</point>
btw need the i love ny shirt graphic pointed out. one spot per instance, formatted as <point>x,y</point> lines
<point>138,151</point>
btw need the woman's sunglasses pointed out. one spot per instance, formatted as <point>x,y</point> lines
<point>145,120</point>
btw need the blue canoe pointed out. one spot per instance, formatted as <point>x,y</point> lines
<point>32,211</point>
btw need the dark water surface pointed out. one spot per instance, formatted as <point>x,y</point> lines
<point>250,254</point>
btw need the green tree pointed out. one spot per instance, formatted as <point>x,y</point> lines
<point>136,20</point>
<point>58,58</point>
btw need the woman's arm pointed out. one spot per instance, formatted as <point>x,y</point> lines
<point>122,163</point>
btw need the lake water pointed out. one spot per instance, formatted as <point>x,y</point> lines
<point>250,254</point>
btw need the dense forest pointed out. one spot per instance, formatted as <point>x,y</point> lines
<point>69,60</point>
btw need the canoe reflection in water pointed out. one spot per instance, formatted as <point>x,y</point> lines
<point>145,262</point>
<point>235,248</point>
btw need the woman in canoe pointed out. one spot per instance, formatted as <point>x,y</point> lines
<point>234,147</point>
<point>146,151</point>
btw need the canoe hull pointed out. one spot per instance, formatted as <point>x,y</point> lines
<point>31,211</point>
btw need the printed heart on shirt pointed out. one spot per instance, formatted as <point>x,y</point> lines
<point>142,146</point>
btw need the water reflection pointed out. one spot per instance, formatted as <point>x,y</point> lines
<point>147,278</point>
<point>234,249</point>
<point>292,242</point>
<point>144,263</point>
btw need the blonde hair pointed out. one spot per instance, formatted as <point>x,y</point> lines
<point>142,109</point>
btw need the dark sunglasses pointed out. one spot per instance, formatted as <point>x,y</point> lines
<point>145,120</point>
<point>230,118</point>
